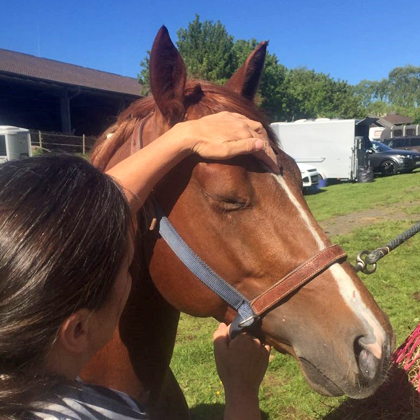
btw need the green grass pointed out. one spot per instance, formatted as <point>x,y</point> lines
<point>396,287</point>
<point>352,197</point>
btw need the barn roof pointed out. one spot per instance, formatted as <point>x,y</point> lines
<point>396,119</point>
<point>18,64</point>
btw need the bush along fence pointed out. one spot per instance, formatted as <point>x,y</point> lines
<point>60,142</point>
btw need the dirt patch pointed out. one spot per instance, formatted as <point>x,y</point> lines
<point>343,225</point>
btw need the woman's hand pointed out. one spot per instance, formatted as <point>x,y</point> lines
<point>226,135</point>
<point>241,364</point>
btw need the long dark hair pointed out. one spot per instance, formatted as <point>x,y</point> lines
<point>63,238</point>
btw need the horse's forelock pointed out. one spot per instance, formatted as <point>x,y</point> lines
<point>201,98</point>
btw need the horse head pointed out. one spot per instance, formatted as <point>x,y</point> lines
<point>252,227</point>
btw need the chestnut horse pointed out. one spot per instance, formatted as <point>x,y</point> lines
<point>252,227</point>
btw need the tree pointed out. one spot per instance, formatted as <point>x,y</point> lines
<point>365,91</point>
<point>312,95</point>
<point>404,86</point>
<point>399,93</point>
<point>144,77</point>
<point>207,50</point>
<point>379,108</point>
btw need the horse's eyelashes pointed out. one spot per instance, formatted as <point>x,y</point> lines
<point>226,203</point>
<point>230,206</point>
<point>233,205</point>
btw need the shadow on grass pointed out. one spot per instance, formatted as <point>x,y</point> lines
<point>213,412</point>
<point>313,191</point>
<point>397,399</point>
<point>399,174</point>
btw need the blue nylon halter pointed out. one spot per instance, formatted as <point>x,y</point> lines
<point>246,316</point>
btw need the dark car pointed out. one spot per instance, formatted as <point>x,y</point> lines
<point>404,143</point>
<point>390,161</point>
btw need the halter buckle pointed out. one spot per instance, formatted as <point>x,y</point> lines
<point>239,325</point>
<point>246,322</point>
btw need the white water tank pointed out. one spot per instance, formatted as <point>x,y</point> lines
<point>15,143</point>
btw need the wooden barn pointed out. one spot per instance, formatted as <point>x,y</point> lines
<point>51,96</point>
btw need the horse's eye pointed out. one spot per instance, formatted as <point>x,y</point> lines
<point>222,203</point>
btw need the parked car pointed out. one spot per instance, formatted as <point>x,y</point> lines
<point>389,161</point>
<point>310,175</point>
<point>404,143</point>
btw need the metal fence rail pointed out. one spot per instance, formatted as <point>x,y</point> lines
<point>62,142</point>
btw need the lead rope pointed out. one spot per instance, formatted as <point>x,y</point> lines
<point>366,260</point>
<point>407,356</point>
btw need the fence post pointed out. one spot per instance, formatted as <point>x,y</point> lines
<point>84,144</point>
<point>40,139</point>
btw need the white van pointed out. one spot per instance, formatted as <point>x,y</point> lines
<point>15,143</point>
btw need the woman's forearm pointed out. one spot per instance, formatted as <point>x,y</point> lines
<point>242,406</point>
<point>139,173</point>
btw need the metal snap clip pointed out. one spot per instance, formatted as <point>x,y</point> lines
<point>361,263</point>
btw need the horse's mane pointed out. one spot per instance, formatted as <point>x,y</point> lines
<point>201,98</point>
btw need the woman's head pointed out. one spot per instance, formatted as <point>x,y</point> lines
<point>63,241</point>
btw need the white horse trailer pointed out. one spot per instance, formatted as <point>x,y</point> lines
<point>337,148</point>
<point>15,143</point>
<point>375,133</point>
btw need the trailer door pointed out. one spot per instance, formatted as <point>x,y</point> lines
<point>3,151</point>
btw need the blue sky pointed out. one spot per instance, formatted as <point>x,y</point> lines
<point>350,40</point>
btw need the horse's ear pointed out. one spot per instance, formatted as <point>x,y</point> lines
<point>246,80</point>
<point>167,78</point>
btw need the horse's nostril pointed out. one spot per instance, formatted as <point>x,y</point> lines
<point>369,365</point>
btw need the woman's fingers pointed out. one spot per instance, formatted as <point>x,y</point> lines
<point>252,124</point>
<point>241,362</point>
<point>222,333</point>
<point>259,147</point>
<point>268,157</point>
<point>226,135</point>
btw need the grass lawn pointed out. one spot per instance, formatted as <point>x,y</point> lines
<point>402,192</point>
<point>395,285</point>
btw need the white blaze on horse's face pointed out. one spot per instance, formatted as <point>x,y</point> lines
<point>346,286</point>
<point>353,299</point>
<point>321,244</point>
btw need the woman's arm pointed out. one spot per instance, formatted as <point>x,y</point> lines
<point>241,364</point>
<point>218,136</point>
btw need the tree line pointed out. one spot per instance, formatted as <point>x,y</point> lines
<point>285,94</point>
